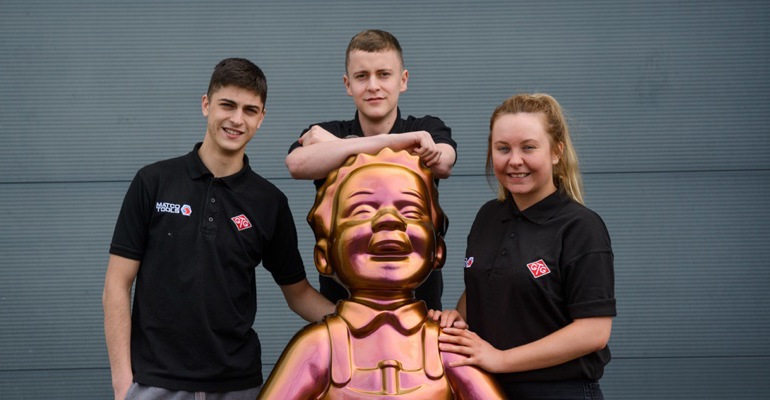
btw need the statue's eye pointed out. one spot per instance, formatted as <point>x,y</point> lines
<point>412,212</point>
<point>361,211</point>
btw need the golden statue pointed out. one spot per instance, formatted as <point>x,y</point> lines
<point>378,228</point>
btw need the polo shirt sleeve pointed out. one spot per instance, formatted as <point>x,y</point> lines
<point>296,142</point>
<point>336,128</point>
<point>294,146</point>
<point>131,230</point>
<point>282,257</point>
<point>589,271</point>
<point>438,130</point>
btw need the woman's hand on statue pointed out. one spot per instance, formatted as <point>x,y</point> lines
<point>448,318</point>
<point>476,350</point>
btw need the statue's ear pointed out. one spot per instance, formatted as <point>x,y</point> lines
<point>440,257</point>
<point>321,257</point>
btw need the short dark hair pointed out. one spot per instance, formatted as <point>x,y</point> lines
<point>238,72</point>
<point>374,41</point>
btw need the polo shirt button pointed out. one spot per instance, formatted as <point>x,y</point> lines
<point>213,200</point>
<point>513,235</point>
<point>504,252</point>
<point>211,219</point>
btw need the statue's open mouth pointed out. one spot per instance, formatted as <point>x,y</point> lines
<point>391,244</point>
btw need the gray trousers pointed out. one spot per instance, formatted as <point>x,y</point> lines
<point>142,392</point>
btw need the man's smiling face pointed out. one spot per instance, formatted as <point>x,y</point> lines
<point>234,114</point>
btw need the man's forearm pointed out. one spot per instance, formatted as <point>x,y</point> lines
<point>317,160</point>
<point>306,301</point>
<point>117,332</point>
<point>443,168</point>
<point>315,307</point>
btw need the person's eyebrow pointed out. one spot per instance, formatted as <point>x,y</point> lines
<point>231,102</point>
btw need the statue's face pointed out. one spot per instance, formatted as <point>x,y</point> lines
<point>382,235</point>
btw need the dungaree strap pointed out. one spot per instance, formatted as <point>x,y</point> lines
<point>339,339</point>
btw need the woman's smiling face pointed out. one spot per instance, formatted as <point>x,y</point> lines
<point>523,158</point>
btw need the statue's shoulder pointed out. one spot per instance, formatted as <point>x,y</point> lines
<point>314,336</point>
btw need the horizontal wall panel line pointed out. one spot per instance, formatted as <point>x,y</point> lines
<point>284,179</point>
<point>754,357</point>
<point>2,371</point>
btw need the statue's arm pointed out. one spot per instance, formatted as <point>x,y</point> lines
<point>302,371</point>
<point>469,382</point>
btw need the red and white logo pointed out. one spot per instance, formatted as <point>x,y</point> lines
<point>241,222</point>
<point>538,268</point>
<point>468,262</point>
<point>186,210</point>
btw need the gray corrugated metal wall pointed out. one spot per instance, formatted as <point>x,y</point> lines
<point>670,115</point>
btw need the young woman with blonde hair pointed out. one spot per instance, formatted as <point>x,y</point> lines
<point>539,281</point>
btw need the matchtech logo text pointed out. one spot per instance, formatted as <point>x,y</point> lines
<point>171,208</point>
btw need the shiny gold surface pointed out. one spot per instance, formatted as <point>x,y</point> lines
<point>378,228</point>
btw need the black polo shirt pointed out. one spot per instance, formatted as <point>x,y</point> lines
<point>431,290</point>
<point>199,239</point>
<point>529,274</point>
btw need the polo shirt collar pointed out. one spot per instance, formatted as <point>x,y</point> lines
<point>363,320</point>
<point>543,210</point>
<point>197,170</point>
<point>396,128</point>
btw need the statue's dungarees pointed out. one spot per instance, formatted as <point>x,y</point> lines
<point>404,364</point>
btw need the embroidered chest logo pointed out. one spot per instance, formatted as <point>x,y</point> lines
<point>241,222</point>
<point>538,268</point>
<point>171,208</point>
<point>468,262</point>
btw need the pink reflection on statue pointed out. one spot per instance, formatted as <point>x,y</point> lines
<point>378,226</point>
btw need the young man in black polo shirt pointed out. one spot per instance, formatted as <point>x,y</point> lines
<point>191,232</point>
<point>375,77</point>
